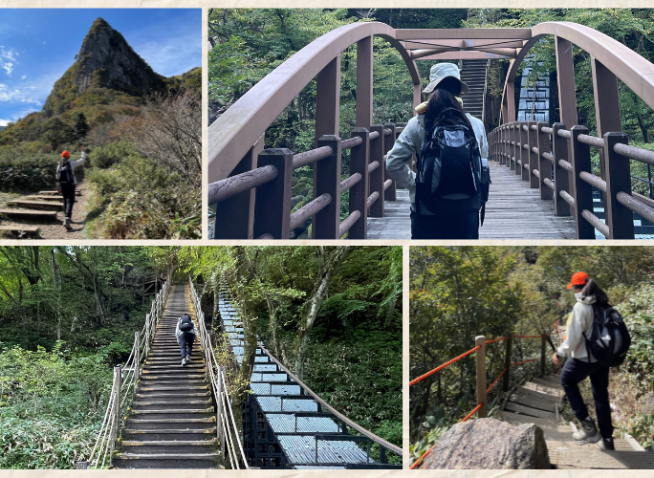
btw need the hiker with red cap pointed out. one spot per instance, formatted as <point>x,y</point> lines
<point>581,364</point>
<point>66,182</point>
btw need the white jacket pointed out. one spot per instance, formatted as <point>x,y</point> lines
<point>410,142</point>
<point>178,332</point>
<point>581,320</point>
<point>74,164</point>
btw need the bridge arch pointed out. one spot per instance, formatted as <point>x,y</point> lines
<point>241,126</point>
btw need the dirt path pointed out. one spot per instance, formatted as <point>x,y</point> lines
<point>54,229</point>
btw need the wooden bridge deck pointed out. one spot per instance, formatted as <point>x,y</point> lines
<point>538,401</point>
<point>514,211</point>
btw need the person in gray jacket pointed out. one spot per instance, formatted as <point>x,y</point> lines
<point>186,333</point>
<point>67,182</point>
<point>451,222</point>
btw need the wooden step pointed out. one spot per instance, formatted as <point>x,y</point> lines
<point>57,193</point>
<point>28,213</point>
<point>46,205</point>
<point>44,197</point>
<point>21,230</point>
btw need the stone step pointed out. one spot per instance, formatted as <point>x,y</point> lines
<point>172,461</point>
<point>28,213</point>
<point>41,205</point>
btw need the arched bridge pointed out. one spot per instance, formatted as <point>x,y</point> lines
<point>542,177</point>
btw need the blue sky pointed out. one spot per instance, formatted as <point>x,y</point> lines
<point>37,46</point>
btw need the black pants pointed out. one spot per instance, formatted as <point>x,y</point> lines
<point>446,225</point>
<point>186,344</point>
<point>574,371</point>
<point>68,191</point>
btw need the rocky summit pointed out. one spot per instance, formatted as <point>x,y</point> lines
<point>105,60</point>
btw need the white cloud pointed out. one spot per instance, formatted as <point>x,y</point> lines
<point>4,122</point>
<point>23,77</point>
<point>17,95</point>
<point>8,67</point>
<point>7,59</point>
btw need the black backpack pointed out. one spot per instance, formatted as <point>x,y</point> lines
<point>609,339</point>
<point>449,162</point>
<point>64,175</point>
<point>186,324</point>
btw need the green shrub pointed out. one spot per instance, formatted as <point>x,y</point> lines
<point>26,172</point>
<point>112,154</point>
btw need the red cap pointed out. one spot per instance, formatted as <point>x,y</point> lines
<point>65,154</point>
<point>578,278</point>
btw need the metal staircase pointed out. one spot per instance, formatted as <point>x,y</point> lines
<point>473,74</point>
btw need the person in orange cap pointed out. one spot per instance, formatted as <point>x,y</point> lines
<point>66,182</point>
<point>581,364</point>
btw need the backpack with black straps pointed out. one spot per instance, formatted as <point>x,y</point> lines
<point>609,339</point>
<point>186,324</point>
<point>64,175</point>
<point>449,162</point>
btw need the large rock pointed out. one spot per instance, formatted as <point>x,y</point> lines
<point>487,443</point>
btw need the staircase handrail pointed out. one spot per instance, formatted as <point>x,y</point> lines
<point>227,432</point>
<point>124,383</point>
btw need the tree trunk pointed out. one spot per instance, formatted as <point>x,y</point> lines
<point>328,268</point>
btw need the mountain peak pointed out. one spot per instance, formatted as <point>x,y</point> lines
<point>105,60</point>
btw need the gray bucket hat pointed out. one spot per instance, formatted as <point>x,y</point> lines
<point>439,72</point>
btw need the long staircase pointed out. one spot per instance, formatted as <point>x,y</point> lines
<point>285,424</point>
<point>172,421</point>
<point>473,74</point>
<point>538,401</point>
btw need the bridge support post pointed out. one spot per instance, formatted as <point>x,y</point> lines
<point>561,176</point>
<point>327,180</point>
<point>235,216</point>
<point>583,192</point>
<point>517,149</point>
<point>506,380</point>
<point>272,212</point>
<point>376,180</point>
<point>523,136</point>
<point>618,179</point>
<point>481,376</point>
<point>544,166</point>
<point>328,100</point>
<point>364,83</point>
<point>359,156</point>
<point>532,142</point>
<point>389,191</point>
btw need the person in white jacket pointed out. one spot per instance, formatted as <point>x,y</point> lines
<point>450,223</point>
<point>581,364</point>
<point>67,182</point>
<point>186,333</point>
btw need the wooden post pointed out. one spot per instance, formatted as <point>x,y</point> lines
<point>359,156</point>
<point>561,176</point>
<point>148,334</point>
<point>389,141</point>
<point>481,376</point>
<point>327,180</point>
<point>219,412</point>
<point>115,411</point>
<point>376,183</point>
<point>517,148</point>
<point>364,83</point>
<point>506,380</point>
<point>137,356</point>
<point>328,99</point>
<point>544,166</point>
<point>532,142</point>
<point>272,212</point>
<point>583,191</point>
<point>235,216</point>
<point>542,354</point>
<point>524,153</point>
<point>618,179</point>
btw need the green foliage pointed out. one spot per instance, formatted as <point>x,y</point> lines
<point>112,154</point>
<point>26,172</point>
<point>138,199</point>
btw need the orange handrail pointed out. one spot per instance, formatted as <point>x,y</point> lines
<point>441,367</point>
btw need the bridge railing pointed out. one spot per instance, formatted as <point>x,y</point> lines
<point>539,153</point>
<point>270,218</point>
<point>124,383</point>
<point>226,429</point>
<point>481,373</point>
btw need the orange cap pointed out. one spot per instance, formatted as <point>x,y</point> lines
<point>578,278</point>
<point>65,154</point>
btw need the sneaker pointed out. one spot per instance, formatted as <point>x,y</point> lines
<point>67,224</point>
<point>587,433</point>
<point>188,359</point>
<point>184,361</point>
<point>605,444</point>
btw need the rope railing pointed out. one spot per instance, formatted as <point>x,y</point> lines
<point>482,390</point>
<point>539,153</point>
<point>227,431</point>
<point>368,184</point>
<point>124,383</point>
